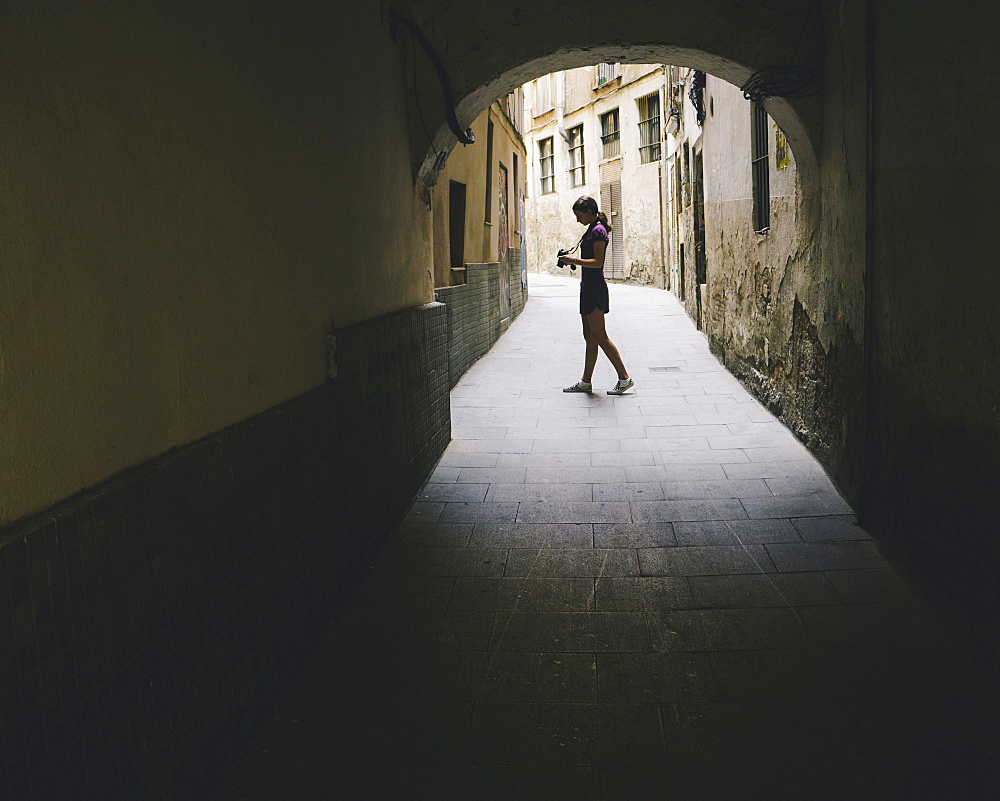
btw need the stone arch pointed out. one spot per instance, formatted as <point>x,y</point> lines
<point>786,114</point>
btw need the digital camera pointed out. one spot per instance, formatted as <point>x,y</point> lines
<point>559,259</point>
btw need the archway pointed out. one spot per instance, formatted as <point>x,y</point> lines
<point>788,115</point>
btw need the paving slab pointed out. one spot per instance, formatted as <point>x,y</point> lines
<point>560,734</point>
<point>735,532</point>
<point>523,594</point>
<point>576,562</point>
<point>643,594</point>
<point>533,535</point>
<point>634,535</point>
<point>659,595</point>
<point>726,629</point>
<point>763,590</point>
<point>557,632</point>
<point>624,677</point>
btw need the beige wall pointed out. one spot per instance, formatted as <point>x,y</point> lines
<point>191,201</point>
<point>467,165</point>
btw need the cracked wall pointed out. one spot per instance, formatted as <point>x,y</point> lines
<point>785,309</point>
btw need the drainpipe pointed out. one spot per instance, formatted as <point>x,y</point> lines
<point>561,103</point>
<point>529,173</point>
<point>664,96</point>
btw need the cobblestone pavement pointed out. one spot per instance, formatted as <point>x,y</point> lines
<point>653,596</point>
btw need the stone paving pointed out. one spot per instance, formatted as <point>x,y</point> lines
<point>653,596</point>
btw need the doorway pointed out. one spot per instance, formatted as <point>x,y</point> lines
<point>700,259</point>
<point>456,231</point>
<point>611,205</point>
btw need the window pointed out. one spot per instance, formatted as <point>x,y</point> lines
<point>546,163</point>
<point>649,128</point>
<point>687,174</point>
<point>576,166</point>
<point>456,224</point>
<point>678,181</point>
<point>515,109</point>
<point>761,177</point>
<point>609,135</point>
<point>606,72</point>
<point>489,171</point>
<point>543,98</point>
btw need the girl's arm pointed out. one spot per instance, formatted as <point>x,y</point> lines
<point>600,246</point>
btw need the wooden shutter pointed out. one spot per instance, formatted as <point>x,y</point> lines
<point>611,205</point>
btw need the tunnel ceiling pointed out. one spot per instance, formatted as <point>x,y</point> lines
<point>487,49</point>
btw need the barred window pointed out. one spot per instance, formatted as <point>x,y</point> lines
<point>761,177</point>
<point>649,128</point>
<point>609,135</point>
<point>576,166</point>
<point>546,163</point>
<point>606,72</point>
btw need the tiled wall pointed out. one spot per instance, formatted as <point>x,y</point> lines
<point>143,618</point>
<point>517,295</point>
<point>474,321</point>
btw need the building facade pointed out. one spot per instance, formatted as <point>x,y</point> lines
<point>597,131</point>
<point>732,184</point>
<point>743,262</point>
<point>478,196</point>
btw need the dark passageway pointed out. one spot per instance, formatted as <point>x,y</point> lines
<point>654,596</point>
<point>227,366</point>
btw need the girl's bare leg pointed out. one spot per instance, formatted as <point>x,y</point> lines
<point>599,337</point>
<point>590,360</point>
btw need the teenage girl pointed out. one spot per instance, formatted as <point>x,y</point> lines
<point>594,296</point>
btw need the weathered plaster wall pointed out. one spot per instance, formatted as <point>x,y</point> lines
<point>683,145</point>
<point>787,308</point>
<point>935,402</point>
<point>193,198</point>
<point>643,259</point>
<point>756,281</point>
<point>548,218</point>
<point>550,226</point>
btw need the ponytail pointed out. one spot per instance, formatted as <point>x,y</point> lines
<point>586,203</point>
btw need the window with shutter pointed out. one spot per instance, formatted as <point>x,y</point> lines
<point>649,128</point>
<point>576,157</point>
<point>611,144</point>
<point>546,165</point>
<point>760,167</point>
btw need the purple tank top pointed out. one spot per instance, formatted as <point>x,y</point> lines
<point>597,233</point>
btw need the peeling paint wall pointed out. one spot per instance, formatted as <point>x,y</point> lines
<point>784,309</point>
<point>757,282</point>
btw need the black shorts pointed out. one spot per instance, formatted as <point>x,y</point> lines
<point>594,297</point>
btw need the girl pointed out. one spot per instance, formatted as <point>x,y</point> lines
<point>594,296</point>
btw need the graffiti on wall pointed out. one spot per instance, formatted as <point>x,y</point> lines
<point>503,241</point>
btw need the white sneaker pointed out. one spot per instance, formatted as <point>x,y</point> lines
<point>621,387</point>
<point>579,386</point>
